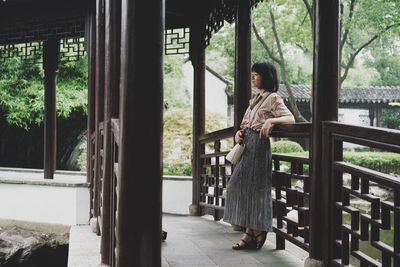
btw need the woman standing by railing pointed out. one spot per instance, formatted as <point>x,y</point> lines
<point>248,200</point>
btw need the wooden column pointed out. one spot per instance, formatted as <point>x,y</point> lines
<point>325,107</point>
<point>378,116</point>
<point>51,51</point>
<point>99,101</point>
<point>140,154</point>
<point>242,60</point>
<point>111,100</point>
<point>371,114</point>
<point>198,58</point>
<point>90,39</point>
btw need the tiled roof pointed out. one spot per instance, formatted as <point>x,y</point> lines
<point>383,94</point>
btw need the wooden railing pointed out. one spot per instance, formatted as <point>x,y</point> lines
<point>99,178</point>
<point>92,144</point>
<point>215,171</point>
<point>114,187</point>
<point>365,226</point>
<point>290,187</point>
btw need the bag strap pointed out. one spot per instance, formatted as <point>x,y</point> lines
<point>258,107</point>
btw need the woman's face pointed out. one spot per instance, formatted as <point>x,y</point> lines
<point>256,80</point>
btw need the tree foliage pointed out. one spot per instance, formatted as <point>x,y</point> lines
<point>22,91</point>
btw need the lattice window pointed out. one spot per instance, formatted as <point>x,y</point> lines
<point>70,50</point>
<point>28,51</point>
<point>177,41</point>
<point>36,30</point>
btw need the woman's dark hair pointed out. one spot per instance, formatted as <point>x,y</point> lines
<point>268,74</point>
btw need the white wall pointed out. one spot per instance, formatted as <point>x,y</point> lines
<point>45,203</point>
<point>25,195</point>
<point>177,194</point>
<point>216,98</point>
<point>358,117</point>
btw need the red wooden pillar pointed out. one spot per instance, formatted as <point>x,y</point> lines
<point>325,107</point>
<point>242,60</point>
<point>140,153</point>
<point>99,102</point>
<point>51,51</point>
<point>111,95</point>
<point>198,58</point>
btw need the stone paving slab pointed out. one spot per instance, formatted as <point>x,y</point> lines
<point>200,241</point>
<point>193,242</point>
<point>84,247</point>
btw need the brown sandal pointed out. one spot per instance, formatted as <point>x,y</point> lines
<point>260,242</point>
<point>250,244</point>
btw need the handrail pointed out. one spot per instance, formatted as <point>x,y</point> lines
<point>365,227</point>
<point>215,173</point>
<point>220,134</point>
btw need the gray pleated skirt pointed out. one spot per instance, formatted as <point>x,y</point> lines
<point>248,196</point>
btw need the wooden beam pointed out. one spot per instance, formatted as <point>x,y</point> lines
<point>51,51</point>
<point>140,151</point>
<point>242,60</point>
<point>111,103</point>
<point>325,107</point>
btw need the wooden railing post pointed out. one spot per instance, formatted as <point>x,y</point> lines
<point>325,107</point>
<point>242,90</point>
<point>51,51</point>
<point>197,56</point>
<point>140,151</point>
<point>111,108</point>
<point>99,103</point>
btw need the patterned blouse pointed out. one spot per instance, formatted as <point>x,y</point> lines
<point>263,106</point>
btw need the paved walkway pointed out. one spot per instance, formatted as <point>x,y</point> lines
<point>199,241</point>
<point>195,242</point>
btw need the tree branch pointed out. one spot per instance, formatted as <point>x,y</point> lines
<point>346,32</point>
<point>355,54</point>
<point>292,101</point>
<point>309,11</point>
<point>265,45</point>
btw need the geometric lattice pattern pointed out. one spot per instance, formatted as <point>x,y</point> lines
<point>291,197</point>
<point>24,39</point>
<point>177,41</point>
<point>27,51</point>
<point>36,30</point>
<point>225,10</point>
<point>367,226</point>
<point>70,50</point>
<point>215,172</point>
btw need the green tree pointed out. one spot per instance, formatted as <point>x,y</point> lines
<point>391,118</point>
<point>174,92</point>
<point>22,91</point>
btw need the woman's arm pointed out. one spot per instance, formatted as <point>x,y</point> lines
<point>269,123</point>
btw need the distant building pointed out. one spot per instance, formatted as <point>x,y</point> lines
<point>358,106</point>
<point>219,97</point>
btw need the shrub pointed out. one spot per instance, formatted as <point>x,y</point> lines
<point>286,147</point>
<point>385,162</point>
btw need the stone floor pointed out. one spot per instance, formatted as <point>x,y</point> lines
<point>200,241</point>
<point>194,242</point>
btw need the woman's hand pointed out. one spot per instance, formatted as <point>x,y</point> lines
<point>239,137</point>
<point>266,128</point>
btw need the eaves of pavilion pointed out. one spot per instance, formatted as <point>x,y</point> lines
<point>125,45</point>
